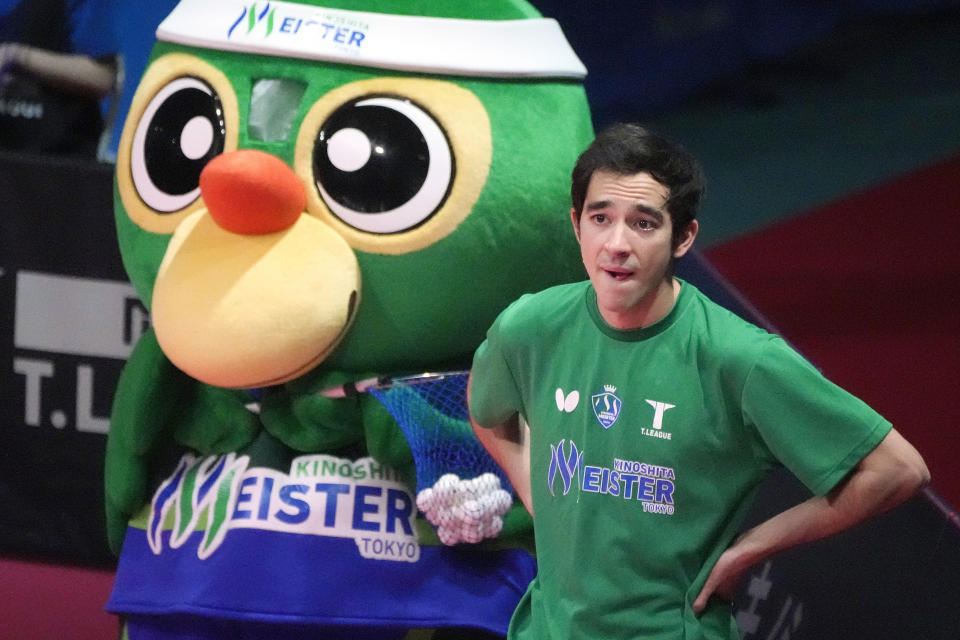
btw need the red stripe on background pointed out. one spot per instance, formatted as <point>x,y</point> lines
<point>41,601</point>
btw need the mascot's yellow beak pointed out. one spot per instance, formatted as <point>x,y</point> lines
<point>253,291</point>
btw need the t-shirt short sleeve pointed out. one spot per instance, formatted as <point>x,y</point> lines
<point>494,394</point>
<point>816,429</point>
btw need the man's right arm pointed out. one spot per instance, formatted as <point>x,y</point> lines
<point>507,446</point>
<point>890,474</point>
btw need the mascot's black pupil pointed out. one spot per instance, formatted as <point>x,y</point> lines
<point>170,169</point>
<point>397,166</point>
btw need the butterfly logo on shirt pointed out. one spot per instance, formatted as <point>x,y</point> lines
<point>567,403</point>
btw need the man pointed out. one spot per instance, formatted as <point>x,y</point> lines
<point>654,414</point>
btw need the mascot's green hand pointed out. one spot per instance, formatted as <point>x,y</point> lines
<point>215,420</point>
<point>301,418</point>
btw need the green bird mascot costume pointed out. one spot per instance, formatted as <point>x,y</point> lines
<point>307,197</point>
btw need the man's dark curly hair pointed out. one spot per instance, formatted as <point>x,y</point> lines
<point>626,149</point>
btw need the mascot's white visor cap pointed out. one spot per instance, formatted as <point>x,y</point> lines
<point>534,48</point>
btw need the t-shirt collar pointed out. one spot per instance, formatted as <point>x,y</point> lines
<point>643,333</point>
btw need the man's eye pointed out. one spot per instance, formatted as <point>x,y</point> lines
<point>645,225</point>
<point>599,218</point>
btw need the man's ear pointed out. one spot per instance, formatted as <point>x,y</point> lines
<point>687,237</point>
<point>575,219</point>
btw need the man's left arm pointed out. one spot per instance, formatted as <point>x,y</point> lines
<point>890,474</point>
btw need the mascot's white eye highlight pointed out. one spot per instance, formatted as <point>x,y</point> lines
<point>197,138</point>
<point>382,164</point>
<point>180,131</point>
<point>349,149</point>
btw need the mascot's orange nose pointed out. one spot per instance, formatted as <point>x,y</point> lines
<point>251,192</point>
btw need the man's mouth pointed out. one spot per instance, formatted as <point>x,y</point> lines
<point>617,273</point>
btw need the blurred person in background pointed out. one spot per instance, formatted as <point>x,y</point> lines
<point>59,75</point>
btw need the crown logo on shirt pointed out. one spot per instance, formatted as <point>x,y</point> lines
<point>606,406</point>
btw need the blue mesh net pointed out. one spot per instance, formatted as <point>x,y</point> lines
<point>433,416</point>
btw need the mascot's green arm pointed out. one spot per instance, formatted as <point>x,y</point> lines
<point>156,406</point>
<point>143,403</point>
<point>303,419</point>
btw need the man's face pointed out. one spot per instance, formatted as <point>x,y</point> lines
<point>625,241</point>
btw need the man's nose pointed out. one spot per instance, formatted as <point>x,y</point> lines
<point>616,240</point>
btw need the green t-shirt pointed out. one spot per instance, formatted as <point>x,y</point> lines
<point>646,449</point>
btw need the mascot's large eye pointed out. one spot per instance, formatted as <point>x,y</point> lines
<point>183,113</point>
<point>180,131</point>
<point>396,163</point>
<point>382,164</point>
